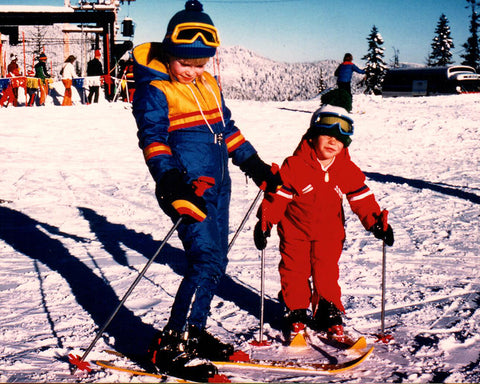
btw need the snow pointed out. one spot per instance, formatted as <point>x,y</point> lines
<point>79,219</point>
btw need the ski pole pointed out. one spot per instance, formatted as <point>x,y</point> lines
<point>242,224</point>
<point>260,341</point>
<point>384,259</point>
<point>262,295</point>
<point>262,268</point>
<point>80,362</point>
<point>383,337</point>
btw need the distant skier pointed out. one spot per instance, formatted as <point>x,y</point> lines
<point>309,212</point>
<point>345,71</point>
<point>187,137</point>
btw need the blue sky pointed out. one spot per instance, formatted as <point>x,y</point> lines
<point>309,30</point>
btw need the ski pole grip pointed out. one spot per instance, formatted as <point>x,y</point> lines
<point>384,217</point>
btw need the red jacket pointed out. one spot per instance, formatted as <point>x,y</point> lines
<point>310,199</point>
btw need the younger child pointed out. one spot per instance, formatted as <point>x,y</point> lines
<point>309,213</point>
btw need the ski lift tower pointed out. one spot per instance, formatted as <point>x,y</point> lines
<point>112,46</point>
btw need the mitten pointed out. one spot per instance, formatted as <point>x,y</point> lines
<point>271,210</point>
<point>260,236</point>
<point>382,230</point>
<point>177,198</point>
<point>266,177</point>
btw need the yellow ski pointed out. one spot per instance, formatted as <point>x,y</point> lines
<point>306,367</point>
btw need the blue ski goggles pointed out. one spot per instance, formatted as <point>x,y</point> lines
<point>330,120</point>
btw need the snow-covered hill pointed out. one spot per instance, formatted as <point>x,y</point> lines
<point>246,75</point>
<point>78,221</point>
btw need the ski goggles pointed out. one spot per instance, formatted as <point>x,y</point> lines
<point>187,33</point>
<point>331,120</point>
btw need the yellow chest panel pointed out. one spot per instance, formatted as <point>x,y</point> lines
<point>191,104</point>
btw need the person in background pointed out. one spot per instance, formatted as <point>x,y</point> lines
<point>68,74</point>
<point>32,88</point>
<point>187,136</point>
<point>14,71</point>
<point>128,80</point>
<point>42,74</point>
<point>308,209</point>
<point>345,71</point>
<point>94,71</point>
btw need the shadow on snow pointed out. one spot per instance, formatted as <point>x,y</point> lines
<point>420,184</point>
<point>132,336</point>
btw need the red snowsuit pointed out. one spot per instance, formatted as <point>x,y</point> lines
<point>308,210</point>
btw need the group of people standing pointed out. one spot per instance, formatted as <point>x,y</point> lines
<point>36,82</point>
<point>187,136</point>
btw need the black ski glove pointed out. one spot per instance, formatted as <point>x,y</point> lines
<point>260,237</point>
<point>382,230</point>
<point>266,177</point>
<point>177,198</point>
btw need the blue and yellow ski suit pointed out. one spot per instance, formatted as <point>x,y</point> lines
<point>189,128</point>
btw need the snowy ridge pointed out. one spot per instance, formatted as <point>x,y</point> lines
<point>248,76</point>
<point>78,220</point>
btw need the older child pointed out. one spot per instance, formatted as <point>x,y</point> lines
<point>308,210</point>
<point>187,136</point>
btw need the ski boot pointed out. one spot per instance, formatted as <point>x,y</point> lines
<point>206,346</point>
<point>328,319</point>
<point>294,327</point>
<point>171,356</point>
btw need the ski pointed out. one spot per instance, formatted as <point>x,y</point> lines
<point>304,367</point>
<point>345,342</point>
<point>139,372</point>
<point>164,378</point>
<point>218,378</point>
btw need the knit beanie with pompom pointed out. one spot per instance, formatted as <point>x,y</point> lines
<point>193,13</point>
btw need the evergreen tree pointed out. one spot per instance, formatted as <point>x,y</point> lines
<point>322,85</point>
<point>375,68</point>
<point>472,50</point>
<point>441,45</point>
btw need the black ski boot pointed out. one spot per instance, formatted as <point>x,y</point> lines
<point>170,355</point>
<point>206,346</point>
<point>294,322</point>
<point>327,318</point>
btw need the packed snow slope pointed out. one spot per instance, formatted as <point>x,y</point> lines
<point>78,221</point>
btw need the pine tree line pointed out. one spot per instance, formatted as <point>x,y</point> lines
<point>440,55</point>
<point>472,49</point>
